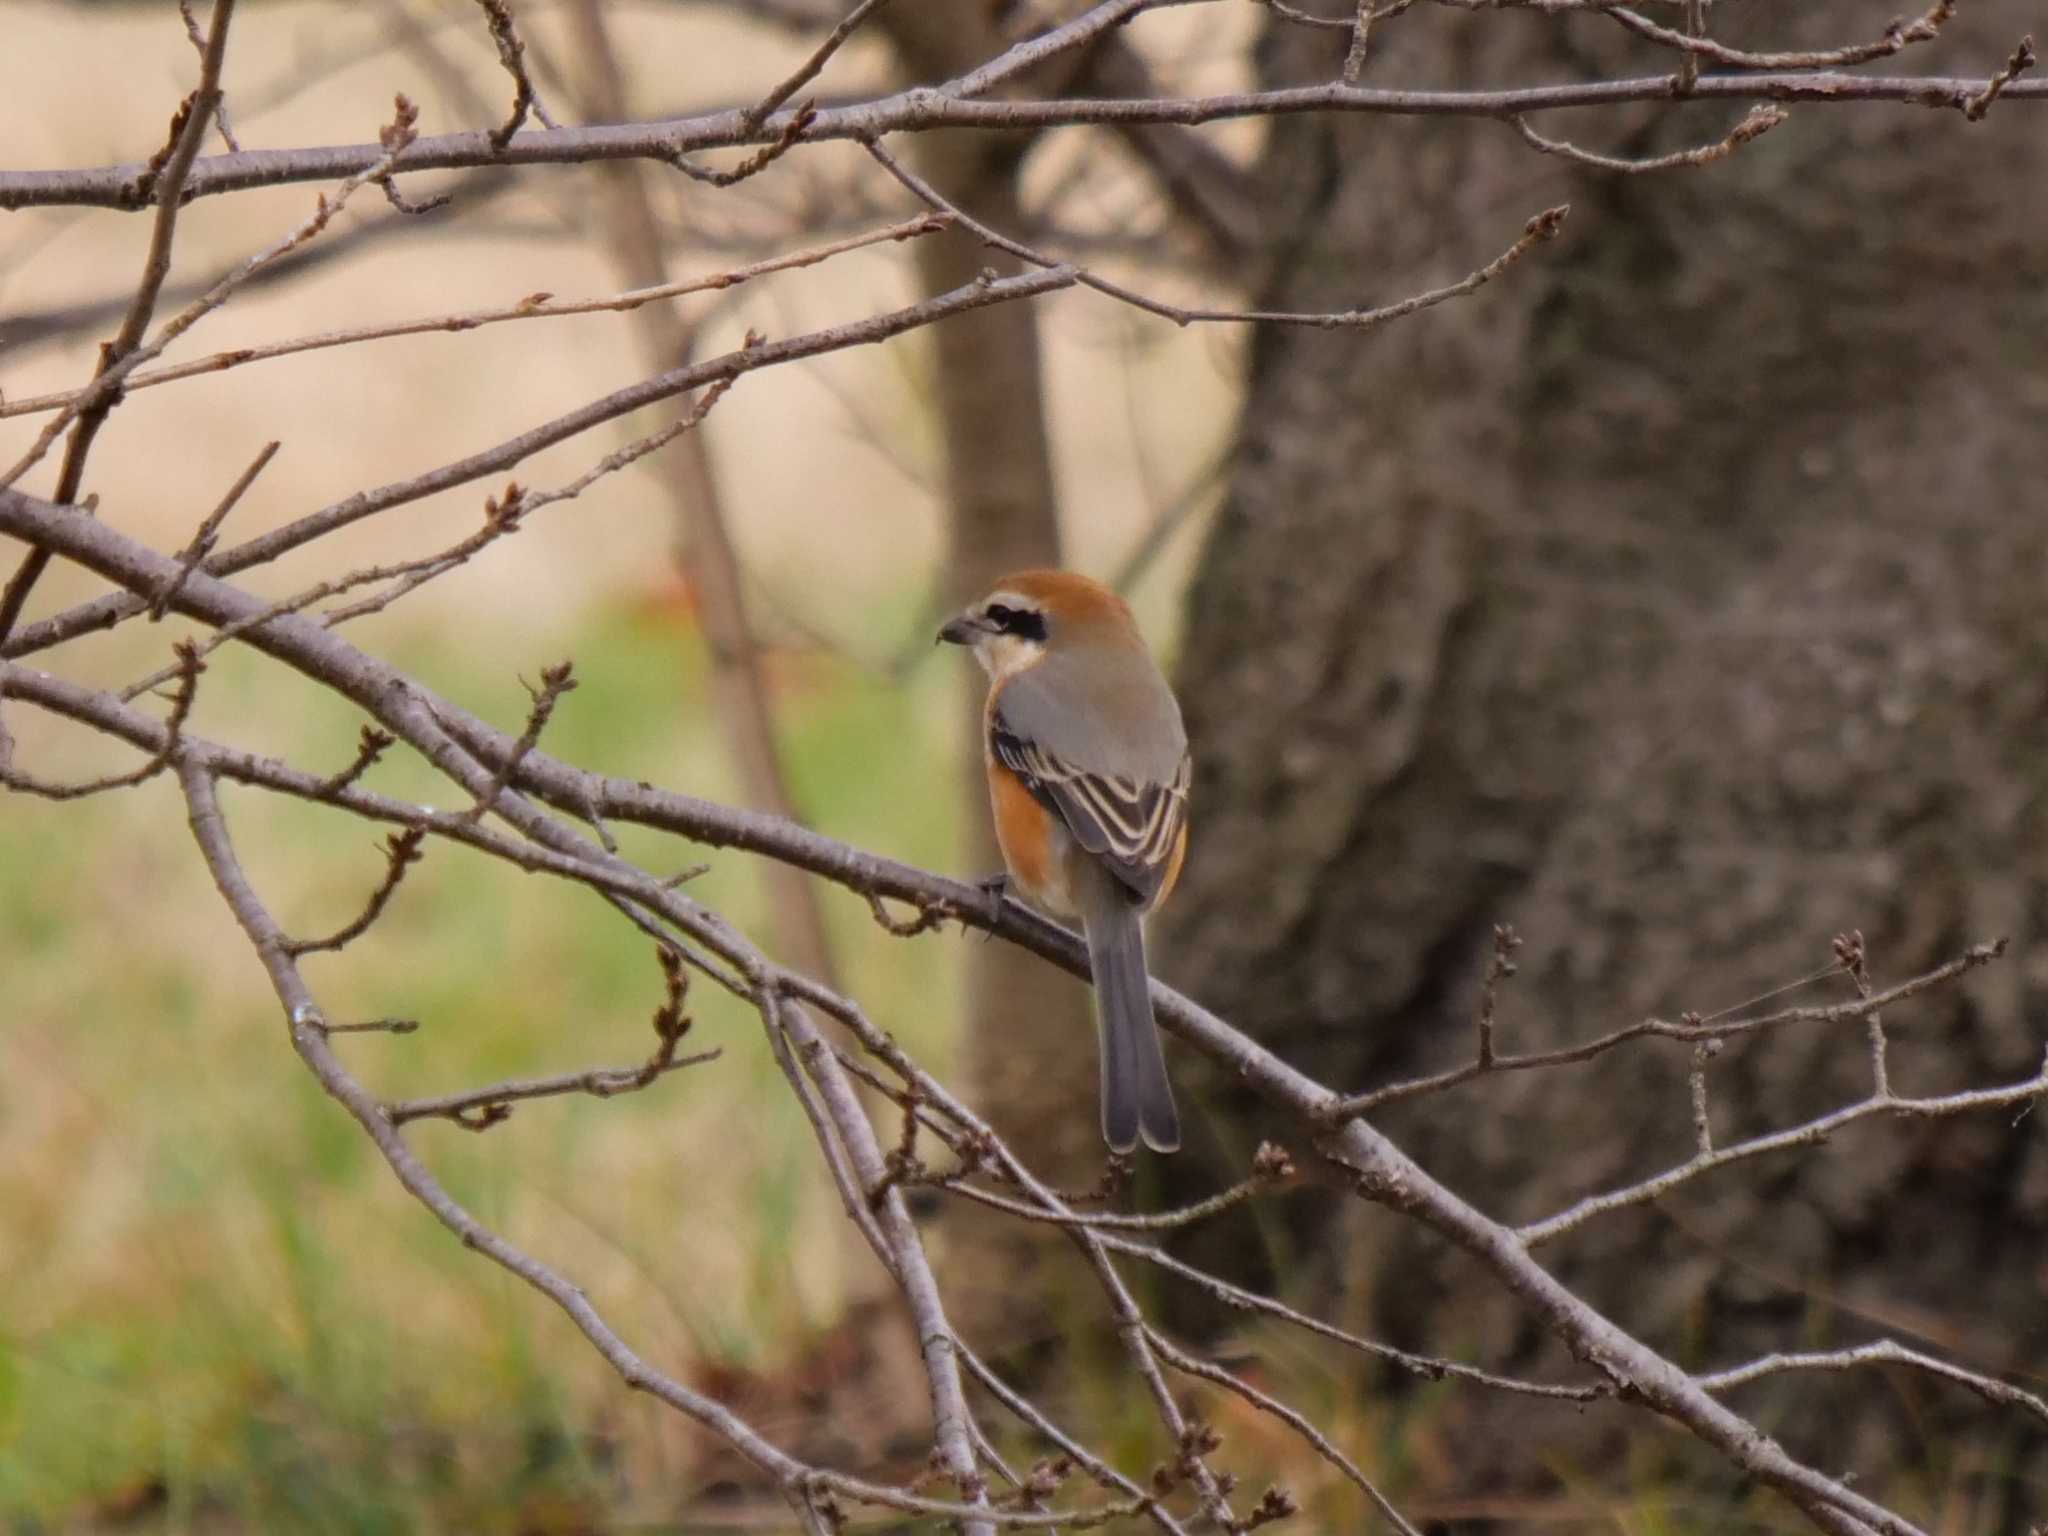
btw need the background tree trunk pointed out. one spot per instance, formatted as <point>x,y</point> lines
<point>705,552</point>
<point>1678,600</point>
<point>1029,1050</point>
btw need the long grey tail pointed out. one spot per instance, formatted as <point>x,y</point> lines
<point>1137,1100</point>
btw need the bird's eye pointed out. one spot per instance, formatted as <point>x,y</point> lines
<point>1026,624</point>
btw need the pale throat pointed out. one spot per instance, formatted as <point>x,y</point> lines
<point>1004,656</point>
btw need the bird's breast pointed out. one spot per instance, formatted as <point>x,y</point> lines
<point>1037,848</point>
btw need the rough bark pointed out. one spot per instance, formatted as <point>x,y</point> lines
<point>1676,600</point>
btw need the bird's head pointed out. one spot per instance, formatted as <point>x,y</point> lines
<point>1034,612</point>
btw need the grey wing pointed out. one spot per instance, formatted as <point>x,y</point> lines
<point>1130,823</point>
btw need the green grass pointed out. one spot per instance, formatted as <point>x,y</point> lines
<point>215,1302</point>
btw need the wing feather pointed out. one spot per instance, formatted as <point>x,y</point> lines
<point>1131,824</point>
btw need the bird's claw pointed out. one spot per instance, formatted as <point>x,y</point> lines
<point>995,888</point>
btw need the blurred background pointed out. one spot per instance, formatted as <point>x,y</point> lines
<point>1676,599</point>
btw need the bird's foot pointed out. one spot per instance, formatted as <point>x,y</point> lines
<point>995,888</point>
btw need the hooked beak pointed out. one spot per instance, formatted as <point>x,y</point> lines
<point>959,630</point>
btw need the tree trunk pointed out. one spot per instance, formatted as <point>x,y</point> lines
<point>710,562</point>
<point>1677,600</point>
<point>1029,1051</point>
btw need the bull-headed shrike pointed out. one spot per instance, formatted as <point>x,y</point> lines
<point>1088,774</point>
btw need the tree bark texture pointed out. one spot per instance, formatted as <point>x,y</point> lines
<point>1676,599</point>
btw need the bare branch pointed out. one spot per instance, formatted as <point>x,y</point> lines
<point>187,671</point>
<point>370,746</point>
<point>1031,1414</point>
<point>1882,1352</point>
<point>808,71</point>
<point>2000,84</point>
<point>1543,227</point>
<point>119,357</point>
<point>512,54</point>
<point>103,613</point>
<point>1424,1367</point>
<point>903,1252</point>
<point>878,328</point>
<point>1204,1370</point>
<point>925,108</point>
<point>309,1032</point>
<point>401,852</point>
<point>1760,121</point>
<point>1498,969</point>
<point>1690,1029</point>
<point>1271,1169</point>
<point>2027,1091</point>
<point>203,540</point>
<point>598,1082</point>
<point>554,682</point>
<point>199,46</point>
<point>1695,32</point>
<point>1898,36</point>
<point>374,1027</point>
<point>106,385</point>
<point>792,134</point>
<point>537,306</point>
<point>1849,955</point>
<point>1702,1125</point>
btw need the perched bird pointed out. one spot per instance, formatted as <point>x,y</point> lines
<point>1088,778</point>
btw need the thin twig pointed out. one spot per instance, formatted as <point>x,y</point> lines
<point>1544,227</point>
<point>374,1027</point>
<point>1760,121</point>
<point>309,1031</point>
<point>1690,1030</point>
<point>101,394</point>
<point>1812,1133</point>
<point>209,529</point>
<point>199,44</point>
<point>504,514</point>
<point>924,109</point>
<point>1498,969</point>
<point>554,682</point>
<point>187,671</point>
<point>1695,33</point>
<point>792,134</point>
<point>808,71</point>
<point>1695,46</point>
<point>1029,1412</point>
<point>120,356</point>
<point>1423,1367</point>
<point>1270,1170</point>
<point>537,306</point>
<point>1317,1441</point>
<point>512,54</point>
<point>1881,1352</point>
<point>1851,957</point>
<point>1361,40</point>
<point>1998,85</point>
<point>598,1082</point>
<point>1702,1125</point>
<point>401,852</point>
